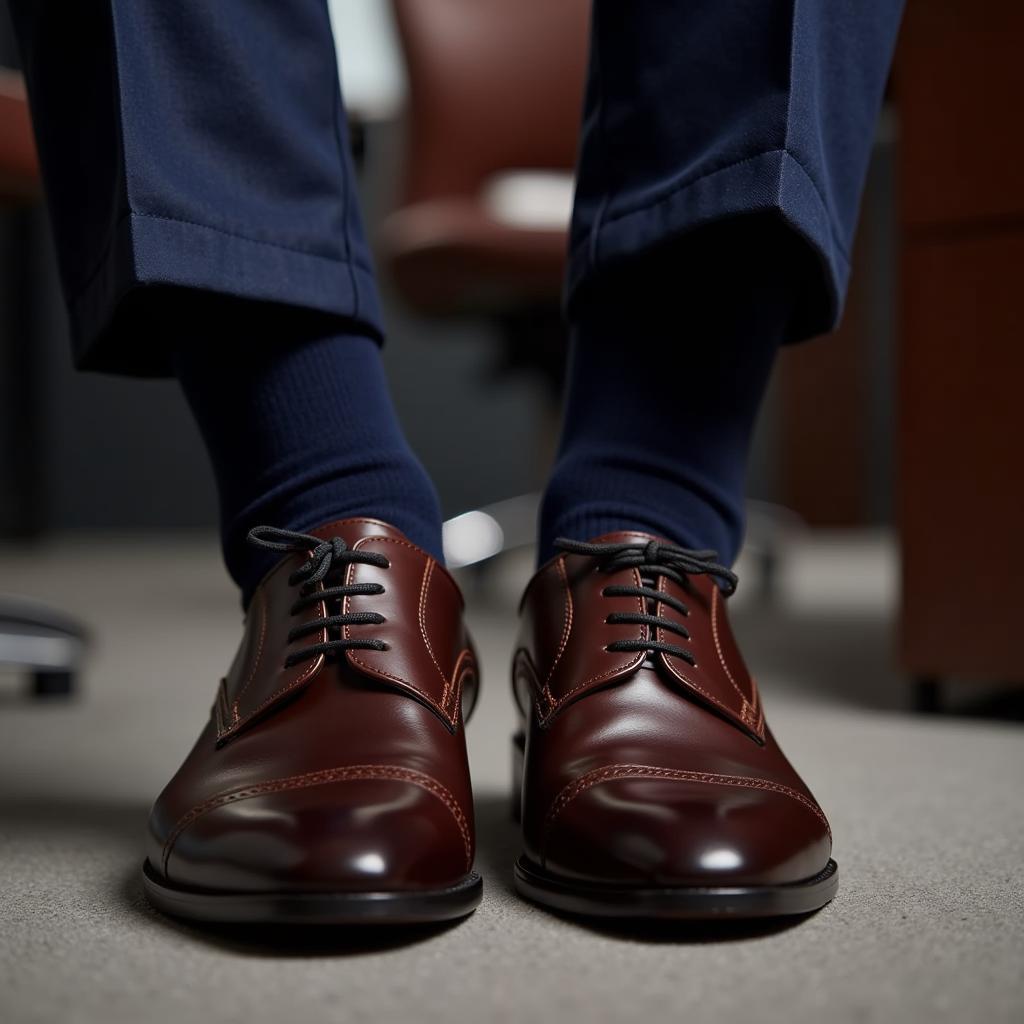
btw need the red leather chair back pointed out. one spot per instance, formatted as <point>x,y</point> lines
<point>19,167</point>
<point>494,85</point>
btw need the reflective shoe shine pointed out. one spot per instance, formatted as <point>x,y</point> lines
<point>651,784</point>
<point>330,783</point>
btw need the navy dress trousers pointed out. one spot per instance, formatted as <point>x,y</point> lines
<point>203,143</point>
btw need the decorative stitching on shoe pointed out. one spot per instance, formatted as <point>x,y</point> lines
<point>523,668</point>
<point>236,719</point>
<point>465,666</point>
<point>640,771</point>
<point>746,714</point>
<point>238,722</point>
<point>314,667</point>
<point>353,656</point>
<point>349,773</point>
<point>567,615</point>
<point>716,601</point>
<point>236,703</point>
<point>407,684</point>
<point>617,670</point>
<point>446,683</point>
<point>220,707</point>
<point>742,714</point>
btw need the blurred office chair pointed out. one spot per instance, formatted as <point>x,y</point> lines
<point>19,169</point>
<point>495,91</point>
<point>43,643</point>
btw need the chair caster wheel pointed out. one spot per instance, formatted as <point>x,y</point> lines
<point>52,684</point>
<point>927,695</point>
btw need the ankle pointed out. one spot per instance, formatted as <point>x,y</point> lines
<point>301,431</point>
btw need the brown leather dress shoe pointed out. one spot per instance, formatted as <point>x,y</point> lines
<point>652,786</point>
<point>330,783</point>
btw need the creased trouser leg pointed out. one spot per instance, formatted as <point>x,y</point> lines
<point>193,143</point>
<point>703,110</point>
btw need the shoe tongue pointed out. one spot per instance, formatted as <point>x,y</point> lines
<point>633,537</point>
<point>353,530</point>
<point>637,538</point>
<point>628,537</point>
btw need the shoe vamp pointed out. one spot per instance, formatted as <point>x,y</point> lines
<point>646,720</point>
<point>343,719</point>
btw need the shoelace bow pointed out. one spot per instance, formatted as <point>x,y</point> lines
<point>653,559</point>
<point>327,557</point>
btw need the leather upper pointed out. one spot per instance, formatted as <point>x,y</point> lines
<point>345,772</point>
<point>643,768</point>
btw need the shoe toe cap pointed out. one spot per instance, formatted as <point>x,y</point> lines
<point>667,832</point>
<point>353,836</point>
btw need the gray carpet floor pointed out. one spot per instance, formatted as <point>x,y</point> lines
<point>928,815</point>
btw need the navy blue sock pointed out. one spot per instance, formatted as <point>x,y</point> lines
<point>669,360</point>
<point>299,425</point>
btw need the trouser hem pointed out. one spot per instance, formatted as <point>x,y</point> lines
<point>770,181</point>
<point>148,250</point>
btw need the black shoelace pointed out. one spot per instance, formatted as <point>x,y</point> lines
<point>327,558</point>
<point>653,559</point>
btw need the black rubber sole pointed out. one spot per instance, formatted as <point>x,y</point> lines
<point>679,904</point>
<point>327,908</point>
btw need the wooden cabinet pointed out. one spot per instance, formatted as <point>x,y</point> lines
<point>959,90</point>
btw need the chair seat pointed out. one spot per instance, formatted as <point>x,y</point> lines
<point>454,255</point>
<point>19,168</point>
